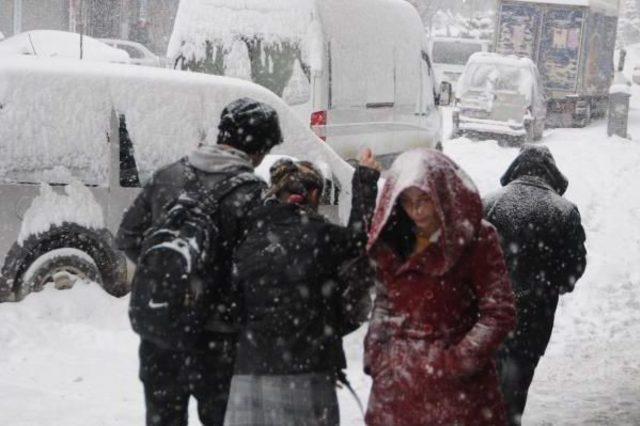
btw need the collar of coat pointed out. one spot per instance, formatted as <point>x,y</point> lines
<point>535,181</point>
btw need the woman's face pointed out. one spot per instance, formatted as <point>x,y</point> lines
<point>420,208</point>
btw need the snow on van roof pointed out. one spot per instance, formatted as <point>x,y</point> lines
<point>610,6</point>
<point>61,44</point>
<point>198,21</point>
<point>167,114</point>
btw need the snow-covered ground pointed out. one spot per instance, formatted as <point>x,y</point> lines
<point>69,357</point>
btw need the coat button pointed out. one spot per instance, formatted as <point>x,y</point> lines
<point>428,295</point>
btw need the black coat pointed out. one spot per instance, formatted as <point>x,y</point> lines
<point>305,283</point>
<point>165,186</point>
<point>543,242</point>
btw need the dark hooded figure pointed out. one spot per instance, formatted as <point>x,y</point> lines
<point>306,284</point>
<point>248,130</point>
<point>444,304</point>
<point>543,242</point>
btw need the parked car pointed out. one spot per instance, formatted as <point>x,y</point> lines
<point>139,54</point>
<point>450,55</point>
<point>500,95</point>
<point>78,142</point>
<point>357,71</point>
<point>61,44</point>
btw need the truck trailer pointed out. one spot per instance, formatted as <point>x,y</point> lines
<point>572,42</point>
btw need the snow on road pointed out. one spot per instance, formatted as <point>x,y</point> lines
<point>69,357</point>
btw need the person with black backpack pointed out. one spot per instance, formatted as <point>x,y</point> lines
<point>305,284</point>
<point>181,232</point>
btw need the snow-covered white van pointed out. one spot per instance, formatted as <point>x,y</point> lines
<point>357,71</point>
<point>77,142</point>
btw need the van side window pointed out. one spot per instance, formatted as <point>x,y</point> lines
<point>40,149</point>
<point>129,177</point>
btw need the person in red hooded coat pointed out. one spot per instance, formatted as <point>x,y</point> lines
<point>444,303</point>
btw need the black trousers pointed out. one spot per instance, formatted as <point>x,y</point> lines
<point>170,378</point>
<point>516,375</point>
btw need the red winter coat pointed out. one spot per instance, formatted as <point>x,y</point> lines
<point>440,315</point>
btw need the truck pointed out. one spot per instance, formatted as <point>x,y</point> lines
<point>572,42</point>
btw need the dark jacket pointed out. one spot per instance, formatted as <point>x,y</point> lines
<point>305,283</point>
<point>212,164</point>
<point>543,241</point>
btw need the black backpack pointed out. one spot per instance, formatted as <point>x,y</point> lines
<point>168,303</point>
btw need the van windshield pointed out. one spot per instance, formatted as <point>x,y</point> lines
<point>454,52</point>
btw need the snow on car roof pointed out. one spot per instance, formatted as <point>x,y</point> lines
<point>62,44</point>
<point>198,21</point>
<point>167,113</point>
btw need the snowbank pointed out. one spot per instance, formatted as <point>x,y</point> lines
<point>77,205</point>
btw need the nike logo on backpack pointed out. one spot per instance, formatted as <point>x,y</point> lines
<point>154,305</point>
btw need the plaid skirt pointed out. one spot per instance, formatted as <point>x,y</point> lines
<point>283,400</point>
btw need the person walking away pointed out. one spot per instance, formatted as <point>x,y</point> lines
<point>248,130</point>
<point>444,303</point>
<point>543,242</point>
<point>306,284</point>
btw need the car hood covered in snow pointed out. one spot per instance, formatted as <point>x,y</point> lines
<point>61,44</point>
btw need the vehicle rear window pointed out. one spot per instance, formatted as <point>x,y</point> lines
<point>453,52</point>
<point>278,66</point>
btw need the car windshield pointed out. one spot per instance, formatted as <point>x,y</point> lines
<point>454,52</point>
<point>494,77</point>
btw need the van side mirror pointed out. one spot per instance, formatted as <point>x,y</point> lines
<point>445,94</point>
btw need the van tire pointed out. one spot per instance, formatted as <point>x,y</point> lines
<point>62,267</point>
<point>92,245</point>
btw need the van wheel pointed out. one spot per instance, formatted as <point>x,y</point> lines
<point>63,267</point>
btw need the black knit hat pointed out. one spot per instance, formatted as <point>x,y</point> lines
<point>250,126</point>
